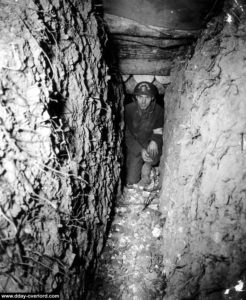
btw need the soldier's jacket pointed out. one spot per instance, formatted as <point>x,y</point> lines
<point>140,126</point>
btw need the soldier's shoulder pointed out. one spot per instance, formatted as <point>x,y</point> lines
<point>130,106</point>
<point>159,108</point>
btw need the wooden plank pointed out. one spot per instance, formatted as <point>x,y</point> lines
<point>120,25</point>
<point>134,50</point>
<point>152,41</point>
<point>145,67</point>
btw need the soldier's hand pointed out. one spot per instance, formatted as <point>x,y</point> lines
<point>145,156</point>
<point>152,149</point>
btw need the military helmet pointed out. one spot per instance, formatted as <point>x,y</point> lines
<point>145,88</point>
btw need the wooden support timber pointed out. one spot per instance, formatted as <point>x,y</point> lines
<point>145,67</point>
<point>117,25</point>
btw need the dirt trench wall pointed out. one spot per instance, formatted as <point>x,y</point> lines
<point>60,145</point>
<point>204,165</point>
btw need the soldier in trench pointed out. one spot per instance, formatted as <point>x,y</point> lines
<point>144,120</point>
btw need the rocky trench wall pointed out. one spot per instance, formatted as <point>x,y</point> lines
<point>203,196</point>
<point>60,145</point>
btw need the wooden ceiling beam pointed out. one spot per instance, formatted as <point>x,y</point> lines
<point>150,41</point>
<point>145,67</point>
<point>131,50</point>
<point>119,25</point>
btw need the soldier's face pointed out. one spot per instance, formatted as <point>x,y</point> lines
<point>143,101</point>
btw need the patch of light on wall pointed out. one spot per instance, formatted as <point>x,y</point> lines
<point>237,288</point>
<point>227,291</point>
<point>229,18</point>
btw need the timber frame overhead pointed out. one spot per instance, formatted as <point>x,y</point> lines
<point>147,36</point>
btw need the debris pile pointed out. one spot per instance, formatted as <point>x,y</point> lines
<point>131,266</point>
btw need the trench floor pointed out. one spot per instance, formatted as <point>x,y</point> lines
<point>131,266</point>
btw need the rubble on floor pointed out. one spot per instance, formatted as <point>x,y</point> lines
<point>131,266</point>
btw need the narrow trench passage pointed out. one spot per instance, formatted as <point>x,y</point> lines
<point>131,266</point>
<point>61,136</point>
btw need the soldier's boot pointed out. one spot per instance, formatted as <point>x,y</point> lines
<point>145,175</point>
